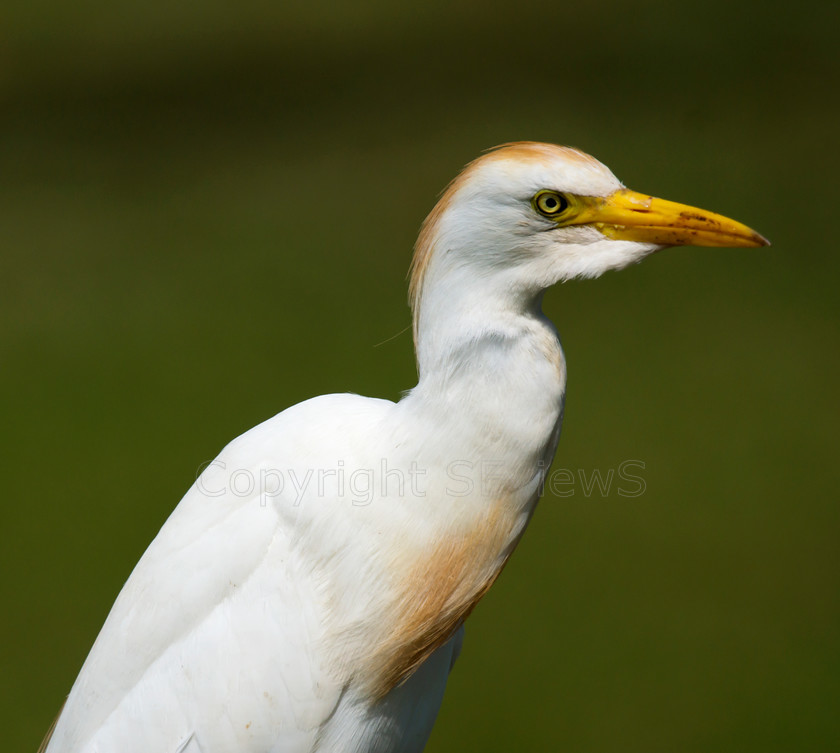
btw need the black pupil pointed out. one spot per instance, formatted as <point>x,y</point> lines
<point>551,203</point>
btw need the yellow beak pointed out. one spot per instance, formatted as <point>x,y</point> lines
<point>631,216</point>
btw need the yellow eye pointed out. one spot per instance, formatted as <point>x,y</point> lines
<point>550,203</point>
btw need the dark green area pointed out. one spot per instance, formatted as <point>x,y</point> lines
<point>206,214</point>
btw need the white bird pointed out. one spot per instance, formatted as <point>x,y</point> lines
<point>309,591</point>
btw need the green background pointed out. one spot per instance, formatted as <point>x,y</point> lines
<point>206,214</point>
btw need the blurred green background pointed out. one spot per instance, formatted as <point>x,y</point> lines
<point>207,214</point>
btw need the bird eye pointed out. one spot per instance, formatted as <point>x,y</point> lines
<point>550,203</point>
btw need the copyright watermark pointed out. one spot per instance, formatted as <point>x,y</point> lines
<point>461,478</point>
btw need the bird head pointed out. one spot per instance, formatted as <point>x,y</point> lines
<point>527,215</point>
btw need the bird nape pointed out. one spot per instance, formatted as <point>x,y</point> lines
<point>323,608</point>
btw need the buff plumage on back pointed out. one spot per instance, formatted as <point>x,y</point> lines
<point>424,248</point>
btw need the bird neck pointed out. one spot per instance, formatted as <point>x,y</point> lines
<point>481,428</point>
<point>462,316</point>
<point>493,374</point>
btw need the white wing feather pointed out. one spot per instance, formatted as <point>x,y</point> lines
<point>218,640</point>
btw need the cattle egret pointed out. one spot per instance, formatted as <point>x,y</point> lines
<point>309,592</point>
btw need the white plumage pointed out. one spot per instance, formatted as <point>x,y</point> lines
<point>309,592</point>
